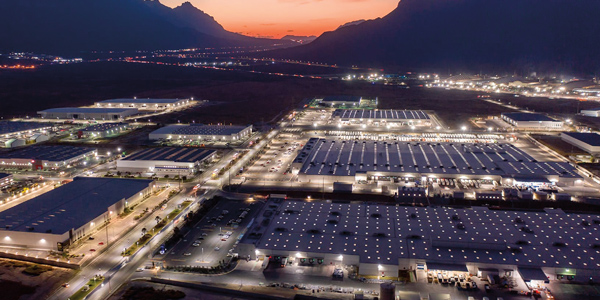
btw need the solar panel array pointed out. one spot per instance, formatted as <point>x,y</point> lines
<point>346,157</point>
<point>391,115</point>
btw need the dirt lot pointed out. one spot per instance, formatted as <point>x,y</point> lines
<point>15,283</point>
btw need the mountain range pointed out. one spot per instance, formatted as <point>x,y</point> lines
<point>70,26</point>
<point>463,35</point>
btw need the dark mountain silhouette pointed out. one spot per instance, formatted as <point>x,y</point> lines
<point>460,35</point>
<point>69,26</point>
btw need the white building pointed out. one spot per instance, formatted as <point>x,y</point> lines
<point>200,132</point>
<point>588,142</point>
<point>592,112</point>
<point>166,161</point>
<point>386,241</point>
<point>347,101</point>
<point>531,121</point>
<point>86,113</point>
<point>70,212</point>
<point>145,104</point>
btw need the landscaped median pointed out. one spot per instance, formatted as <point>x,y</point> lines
<point>149,234</point>
<point>88,288</point>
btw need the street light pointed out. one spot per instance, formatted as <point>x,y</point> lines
<point>464,128</point>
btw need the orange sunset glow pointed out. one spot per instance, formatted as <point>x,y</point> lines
<point>276,18</point>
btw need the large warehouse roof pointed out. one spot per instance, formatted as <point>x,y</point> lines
<point>49,153</point>
<point>7,127</point>
<point>71,205</point>
<point>172,154</point>
<point>199,129</point>
<point>104,126</point>
<point>345,158</point>
<point>381,114</point>
<point>349,99</point>
<point>138,100</point>
<point>89,110</point>
<point>592,139</point>
<point>527,117</point>
<point>383,234</point>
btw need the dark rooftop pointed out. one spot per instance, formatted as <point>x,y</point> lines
<point>172,154</point>
<point>527,117</point>
<point>592,139</point>
<point>50,153</point>
<point>70,206</point>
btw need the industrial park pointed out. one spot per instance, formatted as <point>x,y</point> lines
<point>355,194</point>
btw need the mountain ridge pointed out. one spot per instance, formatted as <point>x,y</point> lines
<point>463,35</point>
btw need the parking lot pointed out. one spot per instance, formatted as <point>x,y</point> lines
<point>215,237</point>
<point>276,161</point>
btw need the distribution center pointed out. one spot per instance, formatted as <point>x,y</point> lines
<point>166,161</point>
<point>366,160</point>
<point>70,212</point>
<point>144,104</point>
<point>227,133</point>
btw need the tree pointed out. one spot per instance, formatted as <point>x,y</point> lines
<point>157,219</point>
<point>167,176</point>
<point>144,231</point>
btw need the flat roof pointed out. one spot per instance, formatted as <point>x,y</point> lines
<point>138,100</point>
<point>200,129</point>
<point>346,157</point>
<point>83,110</point>
<point>70,206</point>
<point>342,99</point>
<point>528,117</point>
<point>7,127</point>
<point>390,114</point>
<point>104,126</point>
<point>174,154</point>
<point>382,234</point>
<point>49,153</point>
<point>592,139</point>
<point>591,109</point>
<point>4,175</point>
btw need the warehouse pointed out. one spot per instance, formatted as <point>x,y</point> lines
<point>45,157</point>
<point>144,104</point>
<point>195,132</point>
<point>347,101</point>
<point>166,161</point>
<point>588,142</point>
<point>592,112</point>
<point>366,160</point>
<point>5,180</point>
<point>103,130</point>
<point>70,212</point>
<point>382,117</point>
<point>15,134</point>
<point>388,241</point>
<point>531,121</point>
<point>86,113</point>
